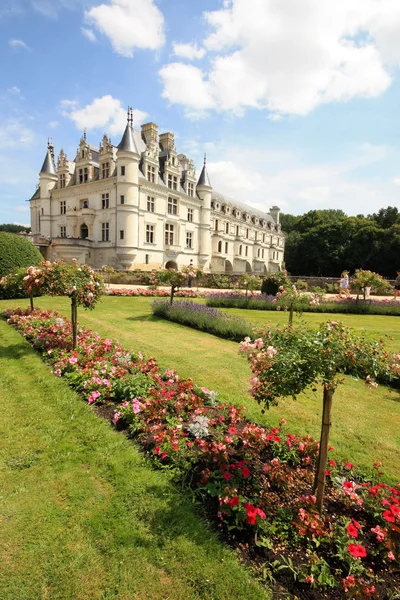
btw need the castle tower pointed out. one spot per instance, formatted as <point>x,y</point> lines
<point>204,190</point>
<point>127,190</point>
<point>48,179</point>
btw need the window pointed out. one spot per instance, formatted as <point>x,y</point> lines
<point>146,259</point>
<point>106,170</point>
<point>237,230</point>
<point>226,227</point>
<point>172,206</point>
<point>263,253</point>
<point>216,224</point>
<point>263,238</point>
<point>105,201</point>
<point>105,232</point>
<point>240,249</point>
<point>121,234</point>
<point>122,170</point>
<point>63,207</point>
<point>190,215</point>
<point>226,247</point>
<point>122,199</point>
<point>62,180</point>
<point>63,231</point>
<point>258,253</point>
<point>247,233</point>
<point>190,189</point>
<point>149,234</point>
<point>255,236</point>
<point>151,173</point>
<point>219,246</point>
<point>189,239</point>
<point>169,234</point>
<point>172,182</point>
<point>83,175</point>
<point>150,204</point>
<point>246,250</point>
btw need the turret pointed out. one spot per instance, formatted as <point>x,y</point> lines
<point>128,157</point>
<point>204,190</point>
<point>48,179</point>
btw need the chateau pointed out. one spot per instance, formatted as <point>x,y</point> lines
<point>140,206</point>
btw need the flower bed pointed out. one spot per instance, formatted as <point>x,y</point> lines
<point>151,293</point>
<point>203,318</point>
<point>339,305</point>
<point>256,483</point>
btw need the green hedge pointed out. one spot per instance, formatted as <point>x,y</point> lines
<point>16,251</point>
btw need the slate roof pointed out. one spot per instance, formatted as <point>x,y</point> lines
<point>241,206</point>
<point>48,165</point>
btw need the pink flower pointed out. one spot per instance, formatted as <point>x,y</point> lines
<point>116,417</point>
<point>157,450</point>
<point>391,556</point>
<point>72,360</point>
<point>283,422</point>
<point>93,397</point>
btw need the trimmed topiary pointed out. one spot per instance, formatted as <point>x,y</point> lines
<point>16,251</point>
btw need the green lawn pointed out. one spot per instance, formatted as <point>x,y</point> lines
<point>83,515</point>
<point>366,423</point>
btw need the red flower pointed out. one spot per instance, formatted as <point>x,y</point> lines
<point>157,450</point>
<point>277,439</point>
<point>246,472</point>
<point>234,501</point>
<point>349,465</point>
<point>252,513</point>
<point>227,476</point>
<point>388,516</point>
<point>357,550</point>
<point>224,467</point>
<point>332,463</point>
<point>232,430</point>
<point>352,531</point>
<point>348,486</point>
<point>163,455</point>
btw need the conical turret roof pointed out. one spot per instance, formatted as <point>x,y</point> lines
<point>204,178</point>
<point>48,163</point>
<point>128,144</point>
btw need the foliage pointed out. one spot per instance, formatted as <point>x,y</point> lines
<point>337,306</point>
<point>301,285</point>
<point>12,228</point>
<point>254,480</point>
<point>250,283</point>
<point>328,242</point>
<point>152,292</point>
<point>177,279</point>
<point>272,282</point>
<point>11,285</point>
<point>367,279</point>
<point>16,251</point>
<point>202,317</point>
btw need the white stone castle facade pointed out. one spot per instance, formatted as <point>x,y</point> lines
<point>140,206</point>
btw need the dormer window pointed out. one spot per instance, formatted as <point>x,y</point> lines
<point>83,175</point>
<point>190,189</point>
<point>106,170</point>
<point>172,182</point>
<point>62,180</point>
<point>151,173</point>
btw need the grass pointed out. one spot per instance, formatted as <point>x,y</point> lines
<point>83,516</point>
<point>366,423</point>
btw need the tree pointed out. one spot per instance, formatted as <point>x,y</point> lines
<point>249,283</point>
<point>16,251</point>
<point>386,217</point>
<point>363,280</point>
<point>177,279</point>
<point>285,361</point>
<point>78,282</point>
<point>11,228</point>
<point>288,222</point>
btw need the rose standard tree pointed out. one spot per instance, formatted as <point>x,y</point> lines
<point>285,361</point>
<point>78,282</point>
<point>177,279</point>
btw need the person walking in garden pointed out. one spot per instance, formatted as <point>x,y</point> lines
<point>344,285</point>
<point>397,284</point>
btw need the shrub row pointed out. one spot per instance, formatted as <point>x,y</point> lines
<point>256,481</point>
<point>203,318</point>
<point>345,306</point>
<point>151,292</point>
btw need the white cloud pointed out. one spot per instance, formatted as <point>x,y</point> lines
<point>396,180</point>
<point>14,90</point>
<point>22,208</point>
<point>294,56</point>
<point>53,124</point>
<point>18,44</point>
<point>89,34</point>
<point>184,84</point>
<point>14,133</point>
<point>189,51</point>
<point>106,113</point>
<point>129,24</point>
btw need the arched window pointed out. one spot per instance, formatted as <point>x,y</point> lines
<point>240,249</point>
<point>258,253</point>
<point>219,246</point>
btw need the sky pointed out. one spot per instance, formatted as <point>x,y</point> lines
<point>295,102</point>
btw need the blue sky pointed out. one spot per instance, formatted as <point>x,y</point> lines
<point>296,102</point>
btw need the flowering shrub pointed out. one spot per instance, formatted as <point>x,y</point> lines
<point>149,292</point>
<point>272,282</point>
<point>202,317</point>
<point>285,361</point>
<point>177,279</point>
<point>255,480</point>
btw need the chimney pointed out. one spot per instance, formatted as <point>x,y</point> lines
<point>150,133</point>
<point>167,141</point>
<point>274,212</point>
